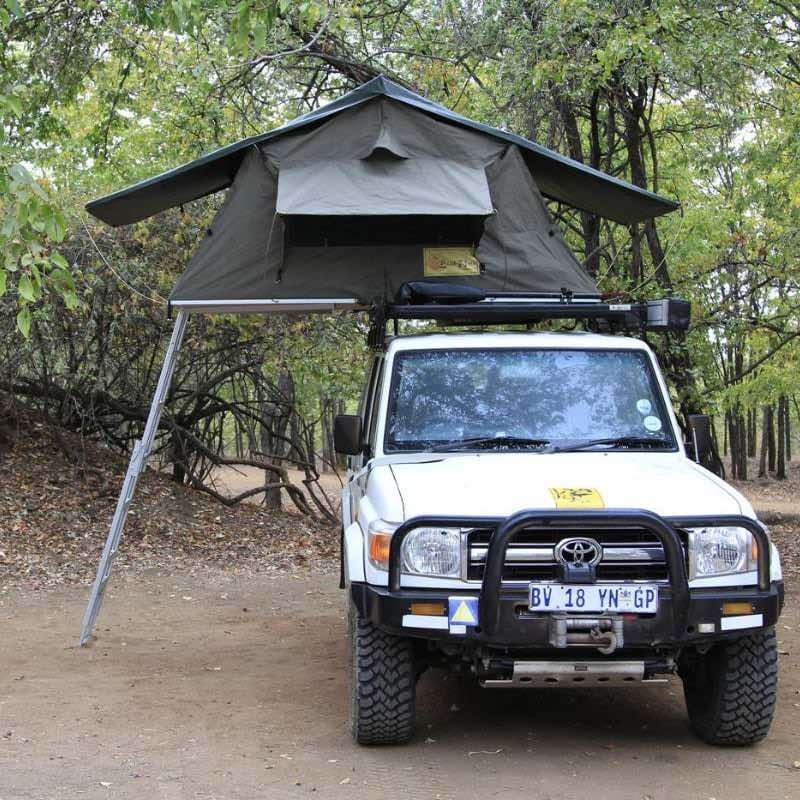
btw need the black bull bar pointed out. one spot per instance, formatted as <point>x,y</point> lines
<point>504,529</point>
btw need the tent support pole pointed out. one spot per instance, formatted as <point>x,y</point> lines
<point>141,450</point>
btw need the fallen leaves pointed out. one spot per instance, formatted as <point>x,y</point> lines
<point>54,521</point>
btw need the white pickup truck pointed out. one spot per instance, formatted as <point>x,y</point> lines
<point>521,507</point>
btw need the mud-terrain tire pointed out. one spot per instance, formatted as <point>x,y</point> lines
<point>382,684</point>
<point>731,690</point>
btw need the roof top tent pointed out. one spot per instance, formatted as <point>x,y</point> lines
<point>381,199</point>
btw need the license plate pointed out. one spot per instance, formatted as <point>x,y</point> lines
<point>624,598</point>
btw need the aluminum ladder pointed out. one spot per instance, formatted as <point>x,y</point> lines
<point>141,450</point>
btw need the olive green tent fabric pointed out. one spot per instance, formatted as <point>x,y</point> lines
<point>351,201</point>
<point>350,208</point>
<point>558,177</point>
<point>231,260</point>
<point>521,240</point>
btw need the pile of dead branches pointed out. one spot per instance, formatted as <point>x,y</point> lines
<point>234,398</point>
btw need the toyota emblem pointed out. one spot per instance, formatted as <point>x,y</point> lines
<point>578,552</point>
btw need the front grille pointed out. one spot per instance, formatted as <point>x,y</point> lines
<point>629,554</point>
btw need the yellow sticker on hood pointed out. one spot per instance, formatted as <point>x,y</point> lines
<point>566,497</point>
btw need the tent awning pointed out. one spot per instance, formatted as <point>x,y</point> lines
<point>558,177</point>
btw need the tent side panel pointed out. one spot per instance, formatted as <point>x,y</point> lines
<point>522,249</point>
<point>230,263</point>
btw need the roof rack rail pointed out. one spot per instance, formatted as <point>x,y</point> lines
<point>668,314</point>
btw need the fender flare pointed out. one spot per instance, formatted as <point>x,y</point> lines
<point>352,554</point>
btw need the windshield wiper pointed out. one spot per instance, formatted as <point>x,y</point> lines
<point>490,441</point>
<point>617,441</point>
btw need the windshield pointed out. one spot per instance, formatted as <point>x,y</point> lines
<point>525,399</point>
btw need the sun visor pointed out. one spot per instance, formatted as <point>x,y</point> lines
<point>385,198</point>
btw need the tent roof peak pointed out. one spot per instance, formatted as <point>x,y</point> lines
<point>559,177</point>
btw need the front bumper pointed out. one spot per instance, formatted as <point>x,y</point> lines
<point>684,616</point>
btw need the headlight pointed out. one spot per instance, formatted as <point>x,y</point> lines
<point>433,551</point>
<point>721,551</point>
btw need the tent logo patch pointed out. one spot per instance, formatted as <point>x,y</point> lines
<point>566,497</point>
<point>463,611</point>
<point>447,261</point>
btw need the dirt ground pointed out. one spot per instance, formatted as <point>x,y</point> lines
<point>223,686</point>
<point>219,669</point>
<point>235,480</point>
<point>773,500</point>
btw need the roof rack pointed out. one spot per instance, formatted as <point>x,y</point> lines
<point>668,314</point>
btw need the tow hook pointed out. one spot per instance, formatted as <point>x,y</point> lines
<point>609,636</point>
<point>604,633</point>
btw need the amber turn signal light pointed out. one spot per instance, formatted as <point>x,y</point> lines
<point>379,547</point>
<point>729,609</point>
<point>429,609</point>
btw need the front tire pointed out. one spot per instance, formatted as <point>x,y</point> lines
<point>731,690</point>
<point>382,684</point>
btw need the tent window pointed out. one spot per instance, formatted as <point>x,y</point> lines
<point>348,231</point>
<point>384,199</point>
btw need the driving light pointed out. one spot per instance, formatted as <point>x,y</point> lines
<point>721,551</point>
<point>433,551</point>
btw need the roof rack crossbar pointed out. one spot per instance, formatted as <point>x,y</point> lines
<point>628,315</point>
<point>668,314</point>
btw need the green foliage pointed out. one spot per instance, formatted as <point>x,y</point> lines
<point>96,96</point>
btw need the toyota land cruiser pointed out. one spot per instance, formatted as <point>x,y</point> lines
<point>522,508</point>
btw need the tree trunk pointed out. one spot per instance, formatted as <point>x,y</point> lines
<point>788,427</point>
<point>771,439</point>
<point>276,416</point>
<point>725,426</point>
<point>762,463</point>
<point>239,442</point>
<point>326,409</point>
<point>590,223</point>
<point>742,448</point>
<point>176,456</point>
<point>751,433</point>
<point>780,467</point>
<point>341,460</point>
<point>735,442</point>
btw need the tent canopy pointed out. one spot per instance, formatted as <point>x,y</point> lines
<point>343,205</point>
<point>559,178</point>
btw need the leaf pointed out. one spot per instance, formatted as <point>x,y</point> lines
<point>55,228</point>
<point>26,289</point>
<point>15,104</point>
<point>59,261</point>
<point>24,321</point>
<point>3,281</point>
<point>259,36</point>
<point>19,173</point>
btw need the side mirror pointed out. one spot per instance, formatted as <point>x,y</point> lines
<point>701,440</point>
<point>347,434</point>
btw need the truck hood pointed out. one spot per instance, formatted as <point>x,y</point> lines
<point>498,484</point>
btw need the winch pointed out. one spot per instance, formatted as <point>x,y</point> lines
<point>604,633</point>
